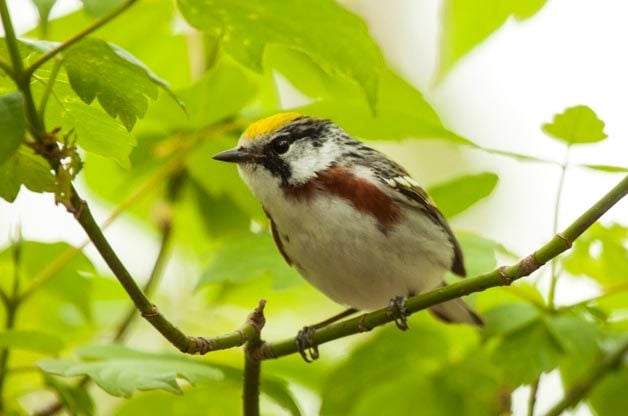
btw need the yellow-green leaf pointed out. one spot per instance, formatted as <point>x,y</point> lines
<point>334,37</point>
<point>458,194</point>
<point>578,124</point>
<point>465,24</point>
<point>12,124</point>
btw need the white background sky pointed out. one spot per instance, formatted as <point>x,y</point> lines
<point>572,52</point>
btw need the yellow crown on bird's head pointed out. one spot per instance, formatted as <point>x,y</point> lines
<point>269,124</point>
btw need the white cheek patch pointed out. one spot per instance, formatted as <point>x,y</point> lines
<point>261,182</point>
<point>306,161</point>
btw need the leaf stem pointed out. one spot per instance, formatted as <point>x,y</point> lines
<point>554,272</point>
<point>80,35</point>
<point>534,388</point>
<point>11,39</point>
<point>500,277</point>
<point>579,390</point>
<point>48,88</point>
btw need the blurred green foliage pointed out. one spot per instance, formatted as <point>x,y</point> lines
<point>108,96</point>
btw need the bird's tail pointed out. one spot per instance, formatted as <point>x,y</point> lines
<point>456,310</point>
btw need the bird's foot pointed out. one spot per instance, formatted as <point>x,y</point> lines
<point>397,310</point>
<point>305,344</point>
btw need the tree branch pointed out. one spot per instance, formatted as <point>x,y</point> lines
<point>500,277</point>
<point>579,390</point>
<point>165,225</point>
<point>253,363</point>
<point>80,35</point>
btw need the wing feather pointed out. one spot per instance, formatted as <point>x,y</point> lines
<point>406,186</point>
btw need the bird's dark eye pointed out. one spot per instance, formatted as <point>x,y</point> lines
<point>281,146</point>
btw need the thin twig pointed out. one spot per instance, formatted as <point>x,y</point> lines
<point>579,390</point>
<point>80,35</point>
<point>554,273</point>
<point>500,277</point>
<point>253,363</point>
<point>48,88</point>
<point>534,388</point>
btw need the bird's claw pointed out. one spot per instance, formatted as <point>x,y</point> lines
<point>305,344</point>
<point>397,310</point>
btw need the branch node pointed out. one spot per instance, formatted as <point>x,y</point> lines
<point>243,336</point>
<point>200,345</point>
<point>267,350</point>
<point>568,242</point>
<point>529,265</point>
<point>153,312</point>
<point>256,319</point>
<point>362,324</point>
<point>502,272</point>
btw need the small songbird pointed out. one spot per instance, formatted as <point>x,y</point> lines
<point>349,219</point>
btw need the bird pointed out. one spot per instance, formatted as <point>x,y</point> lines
<point>349,219</point>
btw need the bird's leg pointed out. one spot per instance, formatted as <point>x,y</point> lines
<point>397,310</point>
<point>305,343</point>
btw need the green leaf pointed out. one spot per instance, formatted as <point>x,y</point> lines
<point>581,340</point>
<point>216,399</point>
<point>226,83</point>
<point>600,253</point>
<point>99,8</point>
<point>607,168</point>
<point>129,30</point>
<point>95,132</point>
<point>69,283</point>
<point>121,83</point>
<point>262,258</point>
<point>466,24</point>
<point>528,352</point>
<point>220,215</point>
<point>335,38</point>
<point>576,125</point>
<point>31,340</point>
<point>28,169</point>
<point>508,317</point>
<point>402,111</point>
<point>458,194</point>
<point>76,399</point>
<point>120,371</point>
<point>608,397</point>
<point>479,253</point>
<point>428,370</point>
<point>12,124</point>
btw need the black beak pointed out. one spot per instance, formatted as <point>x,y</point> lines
<point>234,156</point>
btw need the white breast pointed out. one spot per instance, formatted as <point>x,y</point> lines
<point>346,255</point>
